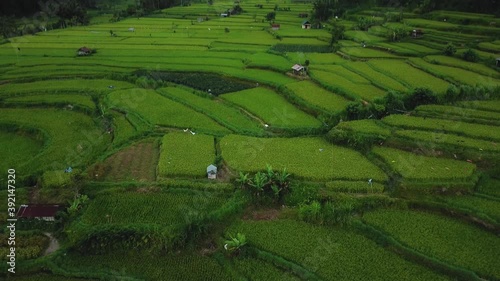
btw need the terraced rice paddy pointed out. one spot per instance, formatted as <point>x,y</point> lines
<point>439,236</point>
<point>174,91</point>
<point>167,113</point>
<point>409,75</point>
<point>271,108</point>
<point>318,96</point>
<point>185,154</point>
<point>412,166</point>
<point>311,158</point>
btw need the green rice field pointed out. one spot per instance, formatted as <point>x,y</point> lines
<point>311,158</point>
<point>335,169</point>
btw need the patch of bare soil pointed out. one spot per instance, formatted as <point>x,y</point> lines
<point>137,162</point>
<point>261,214</point>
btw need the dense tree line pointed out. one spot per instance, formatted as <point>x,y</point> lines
<point>477,6</point>
<point>324,9</point>
<point>20,8</point>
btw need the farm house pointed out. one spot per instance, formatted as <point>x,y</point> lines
<point>275,26</point>
<point>38,211</point>
<point>417,33</point>
<point>298,69</point>
<point>306,24</point>
<point>84,51</point>
<point>212,172</point>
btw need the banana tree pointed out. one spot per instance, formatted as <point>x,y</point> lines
<point>259,181</point>
<point>243,180</point>
<point>235,244</point>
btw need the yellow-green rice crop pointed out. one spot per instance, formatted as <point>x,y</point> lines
<point>478,131</point>
<point>312,158</point>
<point>409,75</point>
<point>184,154</point>
<point>412,166</point>
<point>160,110</point>
<point>318,96</point>
<point>443,238</point>
<point>272,108</point>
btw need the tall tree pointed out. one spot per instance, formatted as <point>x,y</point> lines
<point>337,32</point>
<point>8,26</point>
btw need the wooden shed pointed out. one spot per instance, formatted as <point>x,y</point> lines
<point>44,212</point>
<point>84,51</point>
<point>275,26</point>
<point>417,33</point>
<point>212,172</point>
<point>306,24</point>
<point>298,69</point>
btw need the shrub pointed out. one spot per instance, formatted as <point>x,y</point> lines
<point>470,55</point>
<point>450,49</point>
<point>420,96</point>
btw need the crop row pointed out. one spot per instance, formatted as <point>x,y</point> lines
<point>160,208</point>
<point>347,87</point>
<point>355,186</point>
<point>366,126</point>
<point>343,72</point>
<point>74,139</point>
<point>442,238</point>
<point>312,158</point>
<point>184,154</point>
<point>146,266</point>
<point>433,138</point>
<point>22,150</point>
<point>477,204</point>
<point>360,52</point>
<point>207,82</point>
<point>231,117</point>
<point>456,74</point>
<point>320,250</point>
<point>317,96</point>
<point>255,269</point>
<point>441,125</point>
<point>412,166</point>
<point>409,75</point>
<point>375,77</point>
<point>457,112</point>
<point>64,85</point>
<point>69,99</point>
<point>160,110</point>
<point>272,108</point>
<point>455,62</point>
<point>492,105</point>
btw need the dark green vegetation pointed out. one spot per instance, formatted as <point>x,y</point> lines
<point>378,161</point>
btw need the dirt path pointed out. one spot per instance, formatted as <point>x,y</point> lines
<point>53,245</point>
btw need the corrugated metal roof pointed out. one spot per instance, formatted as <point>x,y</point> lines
<point>37,211</point>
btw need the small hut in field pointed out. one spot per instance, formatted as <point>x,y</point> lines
<point>498,62</point>
<point>275,26</point>
<point>306,24</point>
<point>298,69</point>
<point>212,172</point>
<point>84,51</point>
<point>417,33</point>
<point>44,212</point>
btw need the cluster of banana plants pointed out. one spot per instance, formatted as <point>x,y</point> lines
<point>268,183</point>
